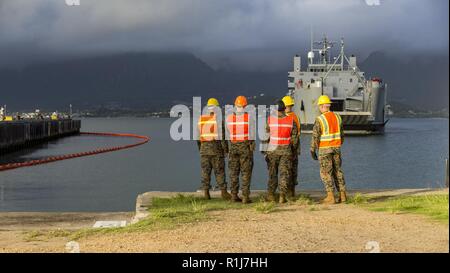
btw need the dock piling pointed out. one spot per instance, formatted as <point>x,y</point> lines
<point>16,135</point>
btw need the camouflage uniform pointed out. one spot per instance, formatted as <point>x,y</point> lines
<point>240,161</point>
<point>330,161</point>
<point>294,178</point>
<point>279,161</point>
<point>212,157</point>
<point>296,155</point>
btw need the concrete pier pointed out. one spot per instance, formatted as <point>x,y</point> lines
<point>22,134</point>
<point>144,200</point>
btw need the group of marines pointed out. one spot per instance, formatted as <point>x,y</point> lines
<point>280,148</point>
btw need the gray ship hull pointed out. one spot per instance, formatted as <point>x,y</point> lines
<point>359,101</point>
<point>353,128</point>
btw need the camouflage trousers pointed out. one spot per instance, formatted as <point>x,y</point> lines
<point>280,171</point>
<point>294,175</point>
<point>208,164</point>
<point>240,164</point>
<point>331,171</point>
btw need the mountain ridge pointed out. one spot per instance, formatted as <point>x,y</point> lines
<point>156,80</point>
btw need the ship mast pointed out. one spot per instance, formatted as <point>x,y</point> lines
<point>342,54</point>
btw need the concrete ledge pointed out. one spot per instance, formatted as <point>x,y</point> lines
<point>144,200</point>
<point>57,220</point>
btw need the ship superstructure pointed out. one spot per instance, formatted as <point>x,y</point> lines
<point>361,102</point>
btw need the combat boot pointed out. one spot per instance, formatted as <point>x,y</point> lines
<point>225,195</point>
<point>206,193</point>
<point>270,197</point>
<point>235,197</point>
<point>343,197</point>
<point>329,199</point>
<point>282,198</point>
<point>246,199</point>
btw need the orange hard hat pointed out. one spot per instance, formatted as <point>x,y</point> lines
<point>241,101</point>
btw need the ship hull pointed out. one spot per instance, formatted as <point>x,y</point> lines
<point>352,129</point>
<point>355,124</point>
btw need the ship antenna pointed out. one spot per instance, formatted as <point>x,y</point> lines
<point>342,53</point>
<point>312,37</point>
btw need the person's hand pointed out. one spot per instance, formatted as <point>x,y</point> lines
<point>314,155</point>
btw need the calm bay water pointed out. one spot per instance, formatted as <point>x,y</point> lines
<point>410,155</point>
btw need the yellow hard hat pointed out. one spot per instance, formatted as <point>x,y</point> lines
<point>288,101</point>
<point>323,100</point>
<point>213,102</point>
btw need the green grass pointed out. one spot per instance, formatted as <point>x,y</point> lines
<point>36,235</point>
<point>434,206</point>
<point>165,213</point>
<point>358,199</point>
<point>265,207</point>
<point>304,200</point>
<point>168,213</point>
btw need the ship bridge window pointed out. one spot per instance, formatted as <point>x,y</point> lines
<point>337,105</point>
<point>291,79</point>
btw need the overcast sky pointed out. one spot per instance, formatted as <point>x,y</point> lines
<point>32,30</point>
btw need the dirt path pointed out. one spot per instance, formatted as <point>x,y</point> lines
<point>292,228</point>
<point>15,228</point>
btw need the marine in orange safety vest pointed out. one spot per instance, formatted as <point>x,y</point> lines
<point>241,147</point>
<point>328,136</point>
<point>289,102</point>
<point>282,142</point>
<point>213,148</point>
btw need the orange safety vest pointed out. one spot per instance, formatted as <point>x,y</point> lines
<point>280,130</point>
<point>331,130</point>
<point>207,126</point>
<point>297,122</point>
<point>238,126</point>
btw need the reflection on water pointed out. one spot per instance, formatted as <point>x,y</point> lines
<point>22,155</point>
<point>410,155</point>
<point>68,145</point>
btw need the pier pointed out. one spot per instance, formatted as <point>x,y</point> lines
<point>17,135</point>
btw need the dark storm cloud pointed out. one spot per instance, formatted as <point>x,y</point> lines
<point>36,29</point>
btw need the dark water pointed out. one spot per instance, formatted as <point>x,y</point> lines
<point>410,155</point>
